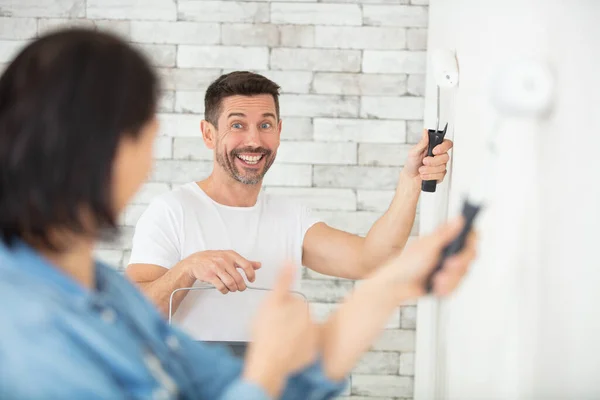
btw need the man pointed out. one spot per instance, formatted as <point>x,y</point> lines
<point>212,230</point>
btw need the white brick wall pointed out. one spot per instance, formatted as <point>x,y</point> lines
<point>352,77</point>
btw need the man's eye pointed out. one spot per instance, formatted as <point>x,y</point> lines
<point>237,126</point>
<point>266,125</point>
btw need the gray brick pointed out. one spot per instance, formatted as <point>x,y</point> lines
<point>363,37</point>
<point>149,192</point>
<point>416,84</point>
<point>46,25</point>
<point>9,49</point>
<point>316,59</point>
<point>309,105</point>
<point>291,81</point>
<point>180,124</point>
<point>394,62</point>
<point>395,340</point>
<point>294,152</point>
<point>315,14</point>
<point>374,200</point>
<point>174,32</point>
<point>282,174</point>
<point>414,131</point>
<point>392,107</point>
<point>419,2</point>
<point>381,385</point>
<point>187,78</point>
<point>163,147</point>
<point>359,130</point>
<point>43,8</point>
<point>177,171</point>
<point>235,57</point>
<point>407,364</point>
<point>250,34</point>
<point>164,10</point>
<point>223,11</point>
<point>390,15</point>
<point>191,148</point>
<point>416,38</point>
<point>120,28</point>
<point>110,257</point>
<point>359,84</point>
<point>133,213</point>
<point>166,102</point>
<point>409,317</point>
<point>319,198</point>
<point>378,363</point>
<point>189,102</point>
<point>160,55</point>
<point>17,28</point>
<point>297,128</point>
<point>326,291</point>
<point>377,154</point>
<point>297,35</point>
<point>356,177</point>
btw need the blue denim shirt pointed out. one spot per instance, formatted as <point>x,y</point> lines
<point>61,341</point>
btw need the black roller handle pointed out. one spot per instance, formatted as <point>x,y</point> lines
<point>435,137</point>
<point>469,213</point>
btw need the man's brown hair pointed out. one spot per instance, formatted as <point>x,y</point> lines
<point>242,83</point>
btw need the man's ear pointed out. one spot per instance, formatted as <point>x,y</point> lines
<point>209,133</point>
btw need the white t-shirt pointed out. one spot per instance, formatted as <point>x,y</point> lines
<point>186,220</point>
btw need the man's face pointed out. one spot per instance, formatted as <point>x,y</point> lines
<point>247,139</point>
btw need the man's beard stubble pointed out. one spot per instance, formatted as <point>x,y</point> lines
<point>246,177</point>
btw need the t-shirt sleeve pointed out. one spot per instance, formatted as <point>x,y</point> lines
<point>156,238</point>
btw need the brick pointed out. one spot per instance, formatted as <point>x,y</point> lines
<point>356,177</point>
<point>355,222</point>
<point>394,62</point>
<point>407,364</point>
<point>46,25</point>
<point>392,107</point>
<point>250,34</point>
<point>317,153</point>
<point>378,363</point>
<point>419,2</point>
<point>17,28</point>
<point>319,198</point>
<point>414,131</point>
<point>43,8</point>
<point>377,154</point>
<point>223,11</point>
<point>120,28</point>
<point>149,192</point>
<point>297,35</point>
<point>291,81</point>
<point>174,32</point>
<point>177,171</point>
<point>166,102</point>
<point>395,340</point>
<point>416,38</point>
<point>309,105</point>
<point>315,14</point>
<point>164,10</point>
<point>163,147</point>
<point>9,49</point>
<point>297,128</point>
<point>382,385</point>
<point>189,102</point>
<point>359,130</point>
<point>390,15</point>
<point>325,291</point>
<point>409,317</point>
<point>374,200</point>
<point>289,175</point>
<point>416,85</point>
<point>191,148</point>
<point>234,57</point>
<point>187,78</point>
<point>363,37</point>
<point>180,124</point>
<point>160,55</point>
<point>133,213</point>
<point>111,257</point>
<point>370,1</point>
<point>119,242</point>
<point>322,311</point>
<point>316,59</point>
<point>359,84</point>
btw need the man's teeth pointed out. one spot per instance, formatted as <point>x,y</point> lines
<point>250,159</point>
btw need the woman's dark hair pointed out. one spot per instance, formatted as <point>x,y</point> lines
<point>66,101</point>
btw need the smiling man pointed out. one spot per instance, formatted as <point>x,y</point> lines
<point>226,232</point>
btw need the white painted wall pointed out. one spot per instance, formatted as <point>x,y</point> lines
<point>525,324</point>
